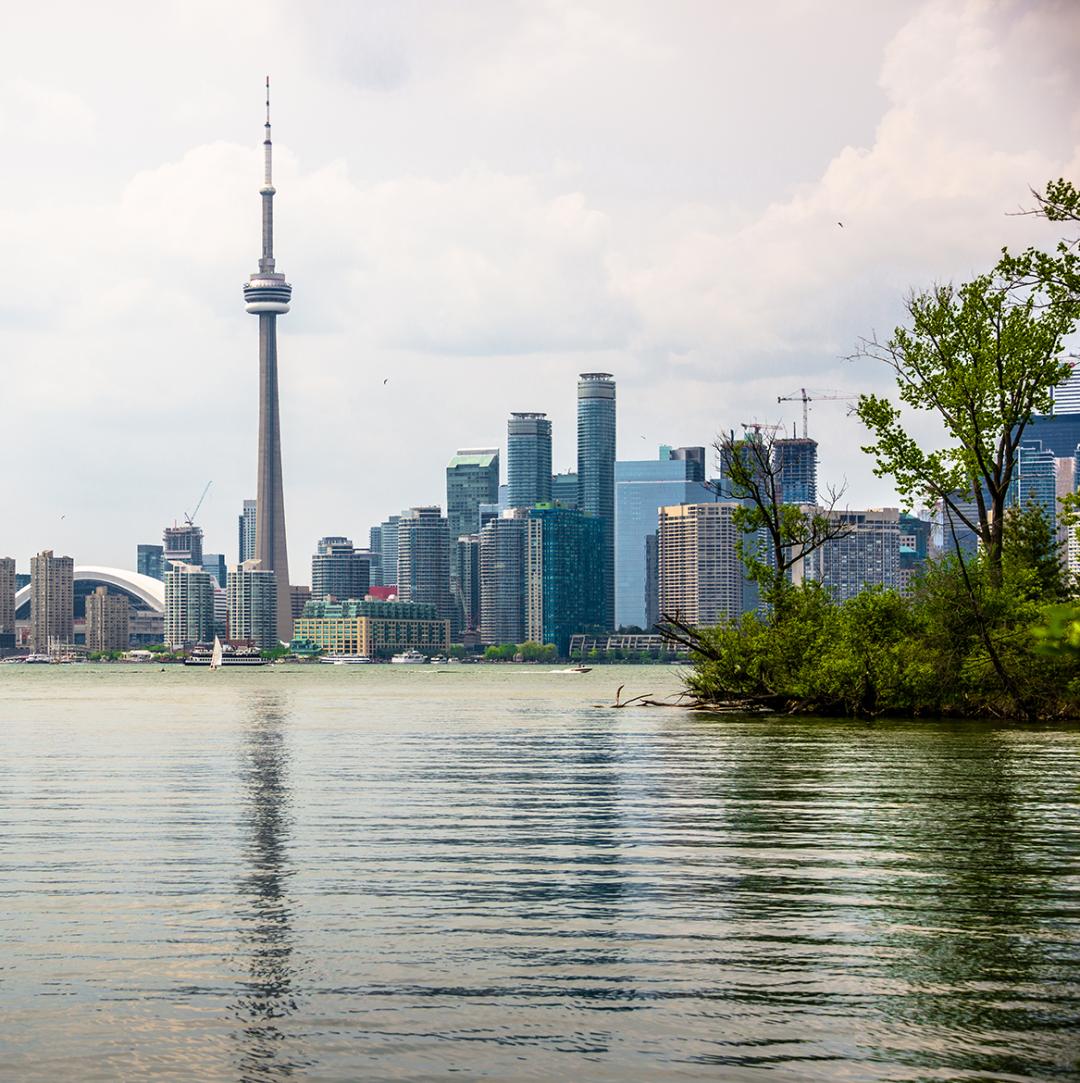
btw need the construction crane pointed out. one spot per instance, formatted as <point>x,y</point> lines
<point>190,519</point>
<point>759,428</point>
<point>818,396</point>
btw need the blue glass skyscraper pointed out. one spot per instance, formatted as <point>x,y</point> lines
<point>642,488</point>
<point>528,460</point>
<point>596,472</point>
<point>1035,479</point>
<point>795,461</point>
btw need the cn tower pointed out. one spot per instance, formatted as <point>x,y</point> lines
<point>266,294</point>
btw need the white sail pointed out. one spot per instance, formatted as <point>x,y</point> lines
<point>215,658</point>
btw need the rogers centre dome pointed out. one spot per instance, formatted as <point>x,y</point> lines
<point>141,588</point>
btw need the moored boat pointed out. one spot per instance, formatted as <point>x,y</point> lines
<point>410,658</point>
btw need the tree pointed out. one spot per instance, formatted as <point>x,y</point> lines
<point>754,468</point>
<point>982,357</point>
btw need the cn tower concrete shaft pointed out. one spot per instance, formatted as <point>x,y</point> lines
<point>267,295</point>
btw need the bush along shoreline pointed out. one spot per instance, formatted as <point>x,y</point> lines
<point>992,627</point>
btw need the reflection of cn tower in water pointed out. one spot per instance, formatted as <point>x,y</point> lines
<point>265,914</point>
<point>267,294</point>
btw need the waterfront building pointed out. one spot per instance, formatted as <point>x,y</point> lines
<point>189,606</point>
<point>423,564</point>
<point>914,550</point>
<point>564,489</point>
<point>214,563</point>
<point>107,621</point>
<point>700,575</point>
<point>502,579</point>
<point>621,645</point>
<point>150,560</point>
<point>267,295</point>
<point>245,542</point>
<point>339,570</point>
<point>373,629</point>
<point>252,599</point>
<point>466,580</point>
<point>562,580</point>
<point>7,602</point>
<point>1035,480</point>
<point>528,460</point>
<point>388,547</point>
<point>868,555</point>
<point>596,471</point>
<point>52,601</point>
<point>472,479</point>
<point>183,544</point>
<point>795,461</point>
<point>642,487</point>
<point>375,549</point>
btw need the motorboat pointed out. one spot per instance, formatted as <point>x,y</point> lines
<point>410,658</point>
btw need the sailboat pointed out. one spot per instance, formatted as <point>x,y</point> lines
<point>215,658</point>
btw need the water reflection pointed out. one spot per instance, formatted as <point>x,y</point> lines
<point>268,993</point>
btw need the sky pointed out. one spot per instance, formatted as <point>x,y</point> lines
<point>476,202</point>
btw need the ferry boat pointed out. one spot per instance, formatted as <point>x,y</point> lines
<point>37,660</point>
<point>225,656</point>
<point>345,660</point>
<point>410,658</point>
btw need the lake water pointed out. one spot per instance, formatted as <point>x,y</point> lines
<point>400,873</point>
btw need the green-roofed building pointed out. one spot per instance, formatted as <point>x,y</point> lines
<point>472,479</point>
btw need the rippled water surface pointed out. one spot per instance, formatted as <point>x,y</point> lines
<point>405,873</point>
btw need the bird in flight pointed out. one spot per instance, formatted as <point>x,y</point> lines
<point>840,224</point>
<point>386,381</point>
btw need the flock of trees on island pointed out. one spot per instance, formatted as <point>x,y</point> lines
<point>994,634</point>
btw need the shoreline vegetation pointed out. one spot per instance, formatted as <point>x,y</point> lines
<point>991,627</point>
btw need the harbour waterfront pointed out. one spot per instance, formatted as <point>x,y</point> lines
<point>416,873</point>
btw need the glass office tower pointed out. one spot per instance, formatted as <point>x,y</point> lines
<point>642,488</point>
<point>596,471</point>
<point>472,479</point>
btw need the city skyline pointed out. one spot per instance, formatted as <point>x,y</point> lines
<point>665,273</point>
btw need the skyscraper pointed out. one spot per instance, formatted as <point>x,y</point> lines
<point>795,460</point>
<point>472,479</point>
<point>502,579</point>
<point>252,605</point>
<point>388,542</point>
<point>642,488</point>
<point>528,460</point>
<point>150,560</point>
<point>561,581</point>
<point>7,601</point>
<point>423,564</point>
<point>699,570</point>
<point>214,563</point>
<point>596,470</point>
<point>245,545</point>
<point>375,548</point>
<point>465,580</point>
<point>564,489</point>
<point>52,600</point>
<point>183,544</point>
<point>867,556</point>
<point>340,571</point>
<point>1035,479</point>
<point>189,606</point>
<point>107,617</point>
<point>267,295</point>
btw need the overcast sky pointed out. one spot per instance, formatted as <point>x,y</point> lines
<point>478,201</point>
